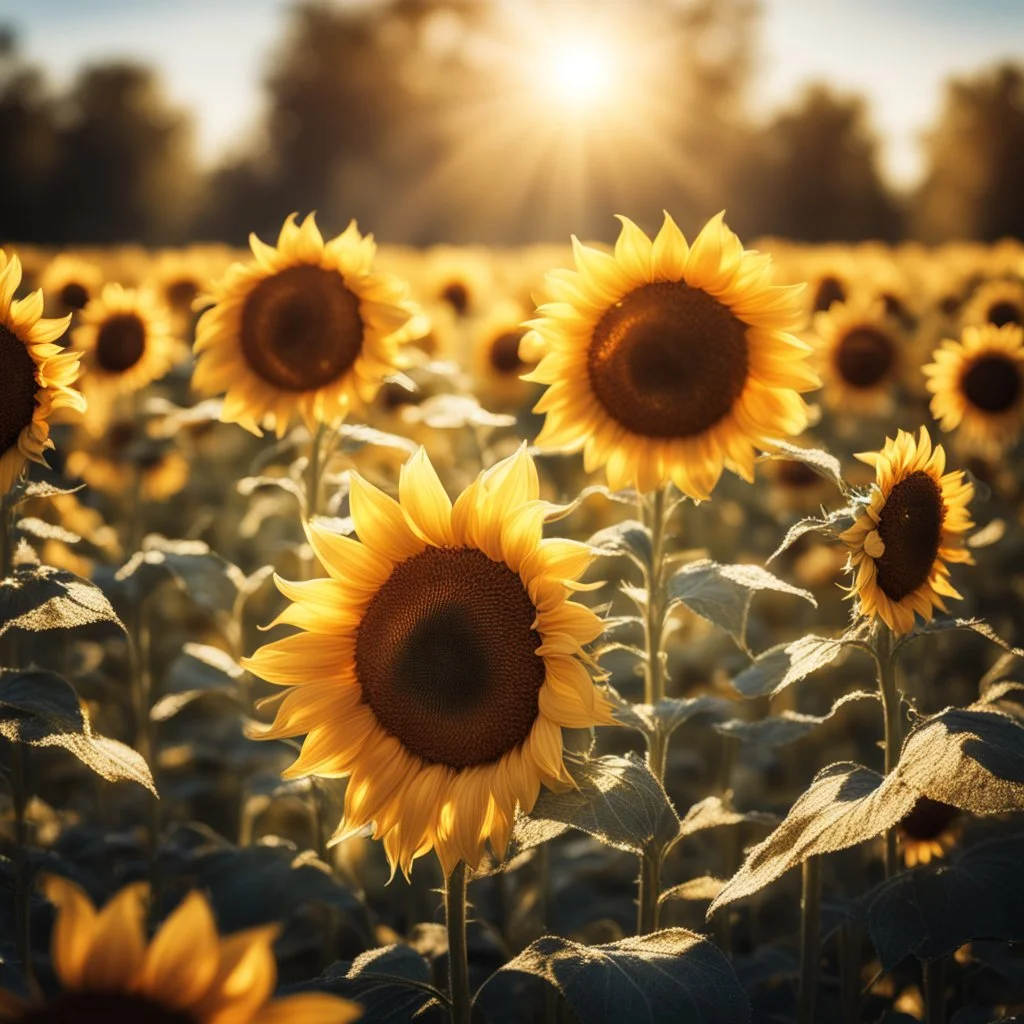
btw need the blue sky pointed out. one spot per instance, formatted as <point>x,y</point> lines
<point>211,54</point>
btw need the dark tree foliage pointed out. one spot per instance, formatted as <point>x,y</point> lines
<point>812,175</point>
<point>975,155</point>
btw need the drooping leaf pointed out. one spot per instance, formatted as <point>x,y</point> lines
<point>931,911</point>
<point>711,812</point>
<point>353,437</point>
<point>945,625</point>
<point>722,594</point>
<point>673,974</point>
<point>824,464</point>
<point>618,802</point>
<point>40,598</point>
<point>778,730</point>
<point>200,670</point>
<point>42,530</point>
<point>671,712</point>
<point>42,489</point>
<point>630,538</point>
<point>41,709</point>
<point>830,524</point>
<point>704,888</point>
<point>781,666</point>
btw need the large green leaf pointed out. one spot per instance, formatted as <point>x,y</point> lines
<point>778,730</point>
<point>670,975</point>
<point>40,598</point>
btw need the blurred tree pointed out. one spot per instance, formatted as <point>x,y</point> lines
<point>812,175</point>
<point>125,167</point>
<point>28,131</point>
<point>975,154</point>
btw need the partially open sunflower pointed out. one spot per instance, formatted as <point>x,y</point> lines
<point>930,830</point>
<point>126,340</point>
<point>187,974</point>
<point>977,386</point>
<point>439,661</point>
<point>306,328</point>
<point>670,362</point>
<point>36,376</point>
<point>858,354</point>
<point>911,527</point>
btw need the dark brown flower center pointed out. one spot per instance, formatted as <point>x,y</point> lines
<point>864,356</point>
<point>928,819</point>
<point>830,289</point>
<point>504,353</point>
<point>74,296</point>
<point>792,473</point>
<point>992,383</point>
<point>911,528</point>
<point>103,1008</point>
<point>949,305</point>
<point>1003,313</point>
<point>120,343</point>
<point>181,293</point>
<point>18,387</point>
<point>456,294</point>
<point>668,360</point>
<point>301,328</point>
<point>446,657</point>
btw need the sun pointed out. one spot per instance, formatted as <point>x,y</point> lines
<point>578,75</point>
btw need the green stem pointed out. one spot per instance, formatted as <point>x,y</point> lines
<point>933,982</point>
<point>650,891</point>
<point>810,938</point>
<point>653,511</point>
<point>313,473</point>
<point>892,712</point>
<point>458,961</point>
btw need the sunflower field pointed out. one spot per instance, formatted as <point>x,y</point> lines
<point>569,633</point>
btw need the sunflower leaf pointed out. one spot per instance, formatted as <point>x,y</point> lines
<point>618,802</point>
<point>831,524</point>
<point>42,489</point>
<point>671,712</point>
<point>249,485</point>
<point>971,758</point>
<point>711,812</point>
<point>630,538</point>
<point>722,594</point>
<point>944,625</point>
<point>672,974</point>
<point>781,666</point>
<point>820,461</point>
<point>42,530</point>
<point>779,730</point>
<point>931,911</point>
<point>41,709</point>
<point>39,598</point>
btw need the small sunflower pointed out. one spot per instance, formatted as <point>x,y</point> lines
<point>497,357</point>
<point>930,830</point>
<point>439,661</point>
<point>69,282</point>
<point>858,354</point>
<point>125,336</point>
<point>304,328</point>
<point>977,385</point>
<point>998,302</point>
<point>187,974</point>
<point>911,527</point>
<point>666,361</point>
<point>36,376</point>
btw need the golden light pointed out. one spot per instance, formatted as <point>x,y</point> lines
<point>578,74</point>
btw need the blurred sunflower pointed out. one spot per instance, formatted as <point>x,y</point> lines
<point>110,461</point>
<point>36,375</point>
<point>912,525</point>
<point>666,361</point>
<point>977,385</point>
<point>998,302</point>
<point>186,975</point>
<point>439,662</point>
<point>497,358</point>
<point>930,830</point>
<point>69,282</point>
<point>858,355</point>
<point>126,339</point>
<point>305,328</point>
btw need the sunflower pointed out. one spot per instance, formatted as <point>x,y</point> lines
<point>69,282</point>
<point>186,975</point>
<point>126,339</point>
<point>305,328</point>
<point>109,463</point>
<point>977,384</point>
<point>998,302</point>
<point>931,829</point>
<point>666,361</point>
<point>912,525</point>
<point>497,357</point>
<point>439,661</point>
<point>858,354</point>
<point>36,376</point>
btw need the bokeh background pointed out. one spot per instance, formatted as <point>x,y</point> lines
<point>510,121</point>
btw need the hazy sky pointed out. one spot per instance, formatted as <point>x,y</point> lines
<point>211,54</point>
